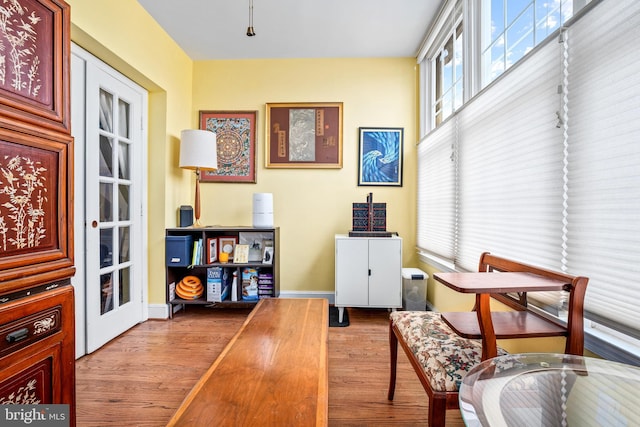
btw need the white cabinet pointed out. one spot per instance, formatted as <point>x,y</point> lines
<point>368,272</point>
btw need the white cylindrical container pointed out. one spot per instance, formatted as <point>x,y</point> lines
<point>234,287</point>
<point>262,210</point>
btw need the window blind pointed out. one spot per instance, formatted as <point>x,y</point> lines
<point>547,166</point>
<point>510,171</point>
<point>510,163</point>
<point>604,161</point>
<point>436,191</point>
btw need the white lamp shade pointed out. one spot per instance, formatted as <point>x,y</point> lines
<point>198,149</point>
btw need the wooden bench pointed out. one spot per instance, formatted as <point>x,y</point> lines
<point>441,358</point>
<point>274,371</point>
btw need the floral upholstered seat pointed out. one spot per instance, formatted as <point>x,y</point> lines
<point>444,356</point>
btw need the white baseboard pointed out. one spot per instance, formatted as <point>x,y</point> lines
<point>309,294</point>
<point>159,311</point>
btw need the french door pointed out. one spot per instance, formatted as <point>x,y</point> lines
<point>113,146</point>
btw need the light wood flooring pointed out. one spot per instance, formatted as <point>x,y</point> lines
<point>141,377</point>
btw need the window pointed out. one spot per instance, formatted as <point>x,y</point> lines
<point>511,28</point>
<point>550,177</point>
<point>447,72</point>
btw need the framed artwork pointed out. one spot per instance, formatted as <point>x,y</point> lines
<point>236,145</point>
<point>34,86</point>
<point>256,242</point>
<point>380,157</point>
<point>227,244</point>
<point>212,250</point>
<point>35,207</point>
<point>304,135</point>
<point>267,256</point>
<point>241,254</point>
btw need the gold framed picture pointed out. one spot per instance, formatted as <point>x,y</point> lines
<point>304,135</point>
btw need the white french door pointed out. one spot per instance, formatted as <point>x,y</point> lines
<point>112,141</point>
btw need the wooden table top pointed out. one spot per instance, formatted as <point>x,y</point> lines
<point>274,372</point>
<point>498,283</point>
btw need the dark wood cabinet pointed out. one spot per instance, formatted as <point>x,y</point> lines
<point>37,328</point>
<point>37,347</point>
<point>36,147</point>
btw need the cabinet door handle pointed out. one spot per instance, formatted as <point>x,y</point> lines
<point>369,272</point>
<point>18,335</point>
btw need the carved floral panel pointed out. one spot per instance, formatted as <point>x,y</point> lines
<point>28,196</point>
<point>35,206</point>
<point>34,82</point>
<point>29,387</point>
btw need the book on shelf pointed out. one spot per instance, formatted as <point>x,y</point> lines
<point>194,254</point>
<point>197,256</point>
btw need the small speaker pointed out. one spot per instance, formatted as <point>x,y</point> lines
<point>186,216</point>
<point>262,210</point>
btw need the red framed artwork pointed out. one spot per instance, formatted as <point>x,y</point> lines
<point>236,145</point>
<point>304,135</point>
<point>36,225</point>
<point>34,66</point>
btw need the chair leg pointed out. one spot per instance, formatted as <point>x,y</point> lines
<point>437,412</point>
<point>393,348</point>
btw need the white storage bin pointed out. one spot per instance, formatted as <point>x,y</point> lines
<point>414,289</point>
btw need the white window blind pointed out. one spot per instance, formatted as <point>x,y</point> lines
<point>604,161</point>
<point>510,163</point>
<point>547,165</point>
<point>510,171</point>
<point>436,191</point>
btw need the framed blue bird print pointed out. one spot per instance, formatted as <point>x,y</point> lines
<point>380,157</point>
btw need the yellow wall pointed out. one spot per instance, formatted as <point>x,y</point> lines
<point>312,205</point>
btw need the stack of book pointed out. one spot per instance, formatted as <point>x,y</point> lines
<point>265,284</point>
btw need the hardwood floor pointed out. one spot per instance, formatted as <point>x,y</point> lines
<point>141,377</point>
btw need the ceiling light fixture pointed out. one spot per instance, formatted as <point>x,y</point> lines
<point>250,31</point>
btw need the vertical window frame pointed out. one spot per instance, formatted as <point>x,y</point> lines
<point>452,31</point>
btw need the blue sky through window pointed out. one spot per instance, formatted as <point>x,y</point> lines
<point>516,27</point>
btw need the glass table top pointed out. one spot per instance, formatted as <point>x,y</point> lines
<point>549,390</point>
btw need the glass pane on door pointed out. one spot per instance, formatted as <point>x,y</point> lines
<point>123,118</point>
<point>125,285</point>
<point>123,160</point>
<point>106,202</point>
<point>123,202</point>
<point>106,156</point>
<point>106,111</point>
<point>106,276</point>
<point>124,244</point>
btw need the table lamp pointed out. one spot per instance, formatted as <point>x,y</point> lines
<point>198,152</point>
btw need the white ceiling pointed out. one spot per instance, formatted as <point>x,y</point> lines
<point>216,29</point>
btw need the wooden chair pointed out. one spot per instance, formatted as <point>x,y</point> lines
<point>441,358</point>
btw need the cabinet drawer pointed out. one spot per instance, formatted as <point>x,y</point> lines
<point>25,331</point>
